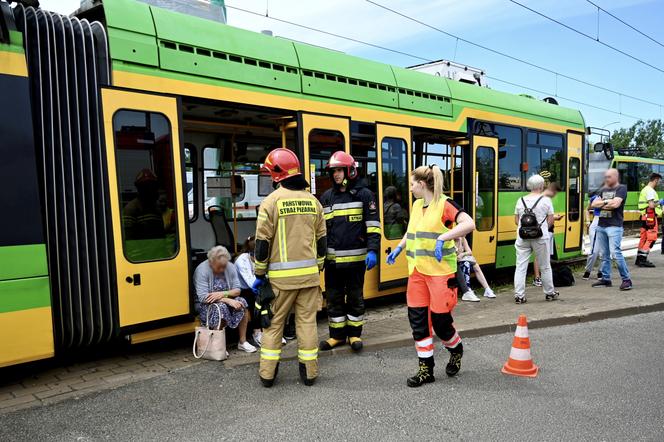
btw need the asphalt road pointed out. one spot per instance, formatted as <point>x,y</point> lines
<point>598,381</point>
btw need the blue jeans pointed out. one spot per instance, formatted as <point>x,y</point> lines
<point>609,239</point>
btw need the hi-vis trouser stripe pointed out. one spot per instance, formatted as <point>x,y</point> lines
<point>338,322</point>
<point>424,347</point>
<point>355,321</point>
<point>453,342</point>
<point>307,355</point>
<point>373,227</point>
<point>283,253</point>
<point>270,355</point>
<point>292,268</point>
<point>354,255</point>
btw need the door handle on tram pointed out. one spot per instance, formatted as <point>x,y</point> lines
<point>491,238</point>
<point>388,250</point>
<point>136,279</point>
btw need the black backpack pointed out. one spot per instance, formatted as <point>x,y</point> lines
<point>563,277</point>
<point>530,228</point>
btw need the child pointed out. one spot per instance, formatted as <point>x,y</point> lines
<point>551,191</point>
<point>466,260</point>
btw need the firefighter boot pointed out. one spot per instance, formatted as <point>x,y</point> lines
<point>454,364</point>
<point>303,376</point>
<point>424,373</point>
<point>355,344</point>
<point>268,383</point>
<point>330,343</point>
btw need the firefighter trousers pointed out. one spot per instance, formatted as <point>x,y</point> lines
<point>345,301</point>
<point>305,303</point>
<point>431,300</point>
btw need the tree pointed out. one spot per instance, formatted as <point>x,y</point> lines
<point>648,135</point>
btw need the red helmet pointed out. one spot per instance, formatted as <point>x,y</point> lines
<point>342,159</point>
<point>282,163</point>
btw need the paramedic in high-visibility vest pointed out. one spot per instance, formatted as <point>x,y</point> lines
<point>436,221</point>
<point>353,240</point>
<point>651,209</point>
<point>290,250</point>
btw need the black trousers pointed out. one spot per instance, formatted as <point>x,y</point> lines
<point>345,300</point>
<point>250,297</point>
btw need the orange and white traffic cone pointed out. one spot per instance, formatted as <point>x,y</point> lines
<point>520,363</point>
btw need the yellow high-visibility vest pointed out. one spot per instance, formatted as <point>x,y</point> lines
<point>643,201</point>
<point>423,232</point>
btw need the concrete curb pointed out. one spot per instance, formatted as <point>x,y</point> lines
<point>406,339</point>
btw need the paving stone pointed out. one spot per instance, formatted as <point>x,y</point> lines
<point>55,390</point>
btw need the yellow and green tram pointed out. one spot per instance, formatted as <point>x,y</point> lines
<point>100,100</point>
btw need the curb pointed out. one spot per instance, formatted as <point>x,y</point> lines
<point>406,339</point>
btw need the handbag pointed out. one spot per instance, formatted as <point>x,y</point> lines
<point>210,343</point>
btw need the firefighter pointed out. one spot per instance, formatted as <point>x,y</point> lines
<point>649,205</point>
<point>436,221</point>
<point>353,236</point>
<point>290,250</point>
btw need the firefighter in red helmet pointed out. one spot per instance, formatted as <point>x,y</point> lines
<point>354,232</point>
<point>290,251</point>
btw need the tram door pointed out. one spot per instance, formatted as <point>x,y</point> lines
<point>574,192</point>
<point>145,175</point>
<point>484,200</point>
<point>394,166</point>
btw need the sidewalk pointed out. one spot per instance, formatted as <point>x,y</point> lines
<point>386,326</point>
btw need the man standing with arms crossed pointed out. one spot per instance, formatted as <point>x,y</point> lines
<point>354,233</point>
<point>611,203</point>
<point>291,245</point>
<point>650,208</point>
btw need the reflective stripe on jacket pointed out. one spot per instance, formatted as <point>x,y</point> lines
<point>292,222</point>
<point>423,232</point>
<point>643,200</point>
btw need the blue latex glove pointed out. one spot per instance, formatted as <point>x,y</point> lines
<point>661,202</point>
<point>393,256</point>
<point>260,280</point>
<point>593,198</point>
<point>438,252</point>
<point>371,260</point>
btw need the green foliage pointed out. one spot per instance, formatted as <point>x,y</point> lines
<point>648,135</point>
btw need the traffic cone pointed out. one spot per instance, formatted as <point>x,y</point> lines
<point>520,363</point>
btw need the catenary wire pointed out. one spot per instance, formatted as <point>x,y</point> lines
<point>625,23</point>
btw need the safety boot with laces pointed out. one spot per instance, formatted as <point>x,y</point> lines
<point>424,375</point>
<point>454,364</point>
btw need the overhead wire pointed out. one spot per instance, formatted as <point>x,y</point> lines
<point>625,23</point>
<point>425,59</point>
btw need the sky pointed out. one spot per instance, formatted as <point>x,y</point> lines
<point>498,24</point>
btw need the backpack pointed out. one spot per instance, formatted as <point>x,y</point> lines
<point>529,227</point>
<point>563,277</point>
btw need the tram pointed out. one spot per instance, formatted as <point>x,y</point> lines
<point>98,102</point>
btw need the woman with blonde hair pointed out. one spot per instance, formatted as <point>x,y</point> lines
<point>436,221</point>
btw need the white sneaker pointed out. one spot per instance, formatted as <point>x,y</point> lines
<point>488,293</point>
<point>258,337</point>
<point>470,296</point>
<point>284,341</point>
<point>245,346</point>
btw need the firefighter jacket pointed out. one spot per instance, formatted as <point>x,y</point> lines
<point>423,232</point>
<point>291,223</point>
<point>353,225</point>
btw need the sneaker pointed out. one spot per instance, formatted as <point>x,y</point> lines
<point>488,293</point>
<point>600,276</point>
<point>423,376</point>
<point>454,364</point>
<point>537,282</point>
<point>552,296</point>
<point>284,341</point>
<point>520,300</point>
<point>470,296</point>
<point>602,283</point>
<point>246,347</point>
<point>258,337</point>
<point>289,330</point>
<point>626,285</point>
<point>586,276</point>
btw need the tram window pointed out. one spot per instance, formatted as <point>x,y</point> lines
<point>363,149</point>
<point>485,172</point>
<point>146,185</point>
<point>545,156</point>
<point>629,175</point>
<point>510,157</point>
<point>216,180</point>
<point>394,153</point>
<point>190,172</point>
<point>322,144</point>
<point>574,211</point>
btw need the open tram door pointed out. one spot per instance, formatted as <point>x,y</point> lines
<point>148,206</point>
<point>394,166</point>
<point>574,188</point>
<point>484,199</point>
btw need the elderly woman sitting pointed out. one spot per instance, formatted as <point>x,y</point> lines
<point>217,282</point>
